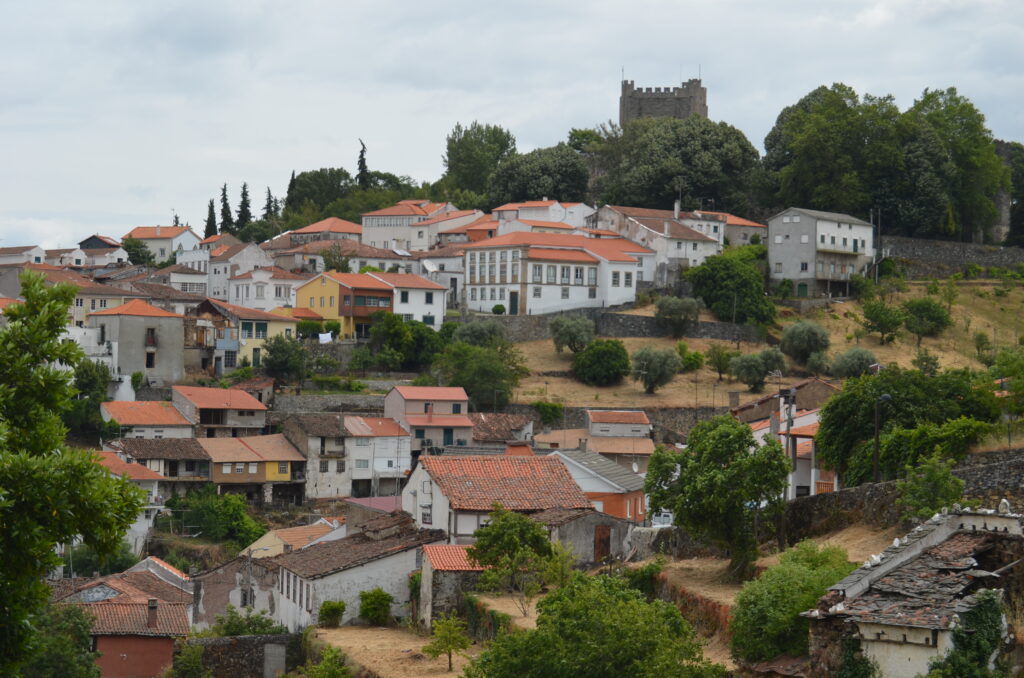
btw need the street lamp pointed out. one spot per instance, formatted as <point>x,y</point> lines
<point>884,398</point>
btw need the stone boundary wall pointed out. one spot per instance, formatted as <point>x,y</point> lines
<point>334,402</point>
<point>153,393</point>
<point>940,259</point>
<point>669,422</point>
<point>237,656</point>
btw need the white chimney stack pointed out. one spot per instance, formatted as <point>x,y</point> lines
<point>675,210</point>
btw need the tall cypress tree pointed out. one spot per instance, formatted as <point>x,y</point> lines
<point>289,196</point>
<point>227,222</point>
<point>270,208</point>
<point>363,176</point>
<point>211,221</point>
<point>244,209</point>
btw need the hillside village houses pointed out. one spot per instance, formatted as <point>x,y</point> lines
<point>396,226</point>
<point>435,416</point>
<point>265,289</point>
<point>165,241</point>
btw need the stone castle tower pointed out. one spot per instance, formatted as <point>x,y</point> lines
<point>662,102</point>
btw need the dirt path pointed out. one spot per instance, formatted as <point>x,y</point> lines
<point>511,608</point>
<point>860,542</point>
<point>392,653</point>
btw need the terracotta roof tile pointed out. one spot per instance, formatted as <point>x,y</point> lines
<point>161,291</point>
<point>547,224</point>
<point>144,413</point>
<point>676,230</point>
<point>618,417</point>
<point>363,281</point>
<point>432,392</point>
<point>560,516</point>
<point>450,558</point>
<point>244,313</point>
<point>446,217</point>
<point>347,248</point>
<point>569,439</point>
<point>612,249</point>
<point>276,273</point>
<point>520,205</point>
<point>374,427</point>
<point>270,448</point>
<point>130,619</point>
<point>517,483</point>
<point>297,537</point>
<point>415,208</point>
<point>119,467</point>
<point>162,448</point>
<point>428,420</point>
<point>150,232</point>
<point>408,280</point>
<point>297,312</point>
<point>552,254</point>
<point>138,308</point>
<point>331,225</point>
<point>733,220</point>
<point>219,398</point>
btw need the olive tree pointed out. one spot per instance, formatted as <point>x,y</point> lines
<point>655,367</point>
<point>574,332</point>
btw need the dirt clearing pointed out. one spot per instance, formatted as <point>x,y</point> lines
<point>511,608</point>
<point>392,653</point>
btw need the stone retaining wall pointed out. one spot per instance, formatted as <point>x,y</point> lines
<point>940,259</point>
<point>257,656</point>
<point>670,423</point>
<point>335,402</point>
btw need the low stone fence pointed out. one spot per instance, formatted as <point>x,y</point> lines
<point>334,402</point>
<point>669,422</point>
<point>630,325</point>
<point>263,656</point>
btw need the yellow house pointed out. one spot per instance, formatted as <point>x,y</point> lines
<point>254,327</point>
<point>289,539</point>
<point>348,298</point>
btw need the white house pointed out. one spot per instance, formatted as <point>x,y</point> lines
<point>395,226</point>
<point>572,214</point>
<point>105,256</point>
<point>147,419</point>
<point>455,493</point>
<point>427,232</point>
<point>818,251</point>
<point>182,277</point>
<point>417,298</point>
<point>165,241</point>
<point>331,228</point>
<point>224,262</point>
<point>27,254</point>
<point>532,273</point>
<point>265,289</point>
<point>66,257</point>
<point>445,266</point>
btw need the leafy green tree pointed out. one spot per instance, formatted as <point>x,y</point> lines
<point>227,221</point>
<point>549,413</point>
<point>138,252</point>
<point>375,606</point>
<point>602,363</point>
<point>847,421</point>
<point>320,188</point>
<point>928,487</point>
<point>677,315</point>
<point>448,636</point>
<point>335,259</point>
<point>658,160</point>
<point>598,627</point>
<point>513,550</point>
<point>83,560</point>
<point>557,172</point>
<point>925,317</point>
<point>655,367</point>
<point>853,363</point>
<point>426,344</point>
<point>487,333</point>
<point>719,358</point>
<point>244,209</point>
<point>766,619</point>
<point>211,221</point>
<point>472,154</point>
<point>389,330</point>
<point>720,487</point>
<point>753,369</point>
<point>218,517</point>
<point>83,416</point>
<point>689,361</point>
<point>252,623</point>
<point>926,362</point>
<point>818,363</point>
<point>572,331</point>
<point>949,292</point>
<point>882,318</point>
<point>309,329</point>
<point>803,338</point>
<point>284,358</point>
<point>49,494</point>
<point>65,648</point>
<point>733,289</point>
<point>489,375</point>
<point>583,139</point>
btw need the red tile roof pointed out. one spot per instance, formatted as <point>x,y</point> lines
<point>428,420</point>
<point>432,392</point>
<point>347,247</point>
<point>551,254</point>
<point>374,427</point>
<point>805,431</point>
<point>276,273</point>
<point>150,232</point>
<point>297,537</point>
<point>144,413</point>
<point>119,467</point>
<point>450,558</point>
<point>218,398</point>
<point>733,220</point>
<point>244,313</point>
<point>618,416</point>
<point>363,281</point>
<point>131,619</point>
<point>520,205</point>
<point>612,249</point>
<point>408,280</point>
<point>414,208</point>
<point>676,230</point>
<point>331,225</point>
<point>7,301</point>
<point>297,312</point>
<point>517,483</point>
<point>547,224</point>
<point>272,448</point>
<point>139,308</point>
<point>446,217</point>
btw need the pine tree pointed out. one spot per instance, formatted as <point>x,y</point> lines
<point>244,209</point>
<point>289,196</point>
<point>176,220</point>
<point>270,207</point>
<point>363,176</point>
<point>211,221</point>
<point>227,222</point>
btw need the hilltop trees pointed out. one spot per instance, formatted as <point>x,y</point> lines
<point>732,288</point>
<point>925,317</point>
<point>677,315</point>
<point>210,229</point>
<point>557,172</point>
<point>602,363</point>
<point>472,154</point>
<point>227,221</point>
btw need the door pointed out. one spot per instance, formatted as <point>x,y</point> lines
<point>801,290</point>
<point>449,436</point>
<point>172,468</point>
<point>602,542</point>
<point>513,303</point>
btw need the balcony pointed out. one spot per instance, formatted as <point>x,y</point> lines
<point>150,341</point>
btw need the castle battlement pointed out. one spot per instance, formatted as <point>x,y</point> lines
<point>690,98</point>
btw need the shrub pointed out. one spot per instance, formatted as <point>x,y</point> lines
<point>137,378</point>
<point>449,636</point>
<point>719,357</point>
<point>817,363</point>
<point>309,329</point>
<point>331,665</point>
<point>327,382</point>
<point>550,413</point>
<point>655,367</point>
<point>334,327</point>
<point>231,623</point>
<point>331,612</point>
<point>689,361</point>
<point>571,331</point>
<point>676,314</point>
<point>766,619</point>
<point>853,363</point>
<point>375,606</point>
<point>603,363</point>
<point>928,487</point>
<point>753,369</point>
<point>498,309</point>
<point>802,339</point>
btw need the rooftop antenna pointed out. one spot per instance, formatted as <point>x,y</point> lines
<point>623,72</point>
<point>698,71</point>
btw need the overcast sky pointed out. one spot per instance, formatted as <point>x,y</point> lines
<point>113,114</point>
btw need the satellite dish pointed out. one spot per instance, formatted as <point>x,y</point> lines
<point>636,468</point>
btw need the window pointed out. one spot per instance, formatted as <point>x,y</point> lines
<point>592,293</point>
<point>778,240</point>
<point>246,330</point>
<point>679,245</point>
<point>419,434</point>
<point>230,358</point>
<point>565,292</point>
<point>832,240</point>
<point>430,298</point>
<point>92,304</point>
<point>472,294</point>
<point>331,300</point>
<point>844,242</point>
<point>282,467</point>
<point>427,320</point>
<point>252,467</point>
<point>456,408</point>
<point>804,238</point>
<point>403,297</point>
<point>362,442</point>
<point>591,276</point>
<point>339,466</point>
<point>103,303</point>
<point>538,276</point>
<point>419,234</point>
<point>321,302</point>
<point>225,468</point>
<point>628,281</point>
<point>694,248</point>
<point>536,292</point>
<point>803,265</point>
<point>360,301</point>
<point>822,238</point>
<point>493,293</point>
<point>577,278</point>
<point>502,272</point>
<point>259,291</point>
<point>239,467</point>
<point>778,267</point>
<point>362,463</point>
<point>79,302</point>
<point>151,360</point>
<point>565,274</point>
<point>501,293</point>
<point>323,465</point>
<point>426,515</point>
<point>615,278</point>
<point>552,272</point>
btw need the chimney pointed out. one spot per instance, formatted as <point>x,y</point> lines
<point>151,618</point>
<point>158,231</point>
<point>582,445</point>
<point>545,198</point>
<point>666,229</point>
<point>675,210</point>
<point>773,423</point>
